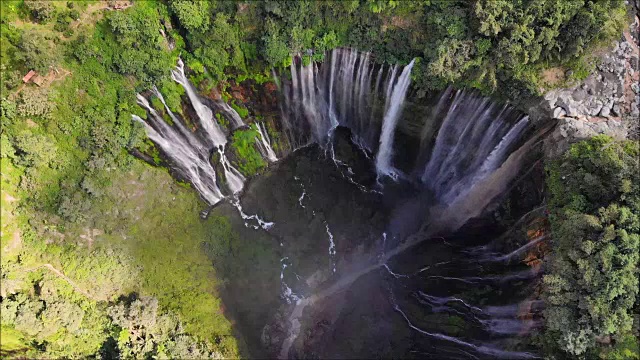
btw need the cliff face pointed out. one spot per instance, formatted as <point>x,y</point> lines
<point>606,102</point>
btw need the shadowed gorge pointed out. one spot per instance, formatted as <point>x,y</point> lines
<point>476,153</point>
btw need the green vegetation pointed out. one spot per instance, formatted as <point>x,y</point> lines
<point>250,161</point>
<point>103,256</point>
<point>491,45</point>
<point>592,281</point>
<point>11,342</point>
<point>241,110</point>
<point>69,285</point>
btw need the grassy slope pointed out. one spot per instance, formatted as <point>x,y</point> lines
<point>144,236</point>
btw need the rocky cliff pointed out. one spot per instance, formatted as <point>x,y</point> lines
<point>606,102</point>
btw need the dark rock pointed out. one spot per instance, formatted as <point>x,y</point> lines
<point>615,110</point>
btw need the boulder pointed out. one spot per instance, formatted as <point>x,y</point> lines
<point>615,110</point>
<point>593,107</point>
<point>559,112</point>
<point>569,106</point>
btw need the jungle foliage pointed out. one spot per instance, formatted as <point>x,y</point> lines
<point>250,161</point>
<point>591,285</point>
<point>72,198</point>
<point>67,168</point>
<point>493,45</point>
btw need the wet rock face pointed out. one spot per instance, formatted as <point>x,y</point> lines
<point>307,197</point>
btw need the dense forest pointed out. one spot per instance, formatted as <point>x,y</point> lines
<point>102,255</point>
<point>592,283</point>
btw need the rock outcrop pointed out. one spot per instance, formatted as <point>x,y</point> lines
<point>606,102</point>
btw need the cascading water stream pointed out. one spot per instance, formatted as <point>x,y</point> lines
<point>287,293</point>
<point>481,349</point>
<point>473,141</point>
<point>396,100</point>
<point>235,180</point>
<point>190,154</point>
<point>230,113</point>
<point>190,159</point>
<point>332,247</point>
<point>205,115</point>
<point>264,144</point>
<point>190,163</point>
<point>265,225</point>
<point>177,122</point>
<point>321,97</point>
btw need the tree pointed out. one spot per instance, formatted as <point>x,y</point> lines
<point>8,109</point>
<point>35,102</point>
<point>61,314</point>
<point>194,16</point>
<point>37,50</point>
<point>146,333</point>
<point>276,50</point>
<point>592,282</point>
<point>41,10</point>
<point>35,150</point>
<point>219,48</point>
<point>452,60</point>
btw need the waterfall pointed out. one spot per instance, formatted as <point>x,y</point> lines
<point>396,100</point>
<point>230,114</point>
<point>189,150</point>
<point>185,150</point>
<point>474,139</point>
<point>264,143</point>
<point>235,180</point>
<point>190,155</point>
<point>332,111</point>
<point>470,148</point>
<point>343,91</point>
<point>215,134</point>
<point>429,127</point>
<point>183,130</point>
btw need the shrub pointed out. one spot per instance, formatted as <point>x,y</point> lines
<point>41,10</point>
<point>249,159</point>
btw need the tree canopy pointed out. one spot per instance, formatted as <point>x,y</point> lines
<point>592,283</point>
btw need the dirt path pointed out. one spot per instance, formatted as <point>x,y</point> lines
<point>73,284</point>
<point>91,9</point>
